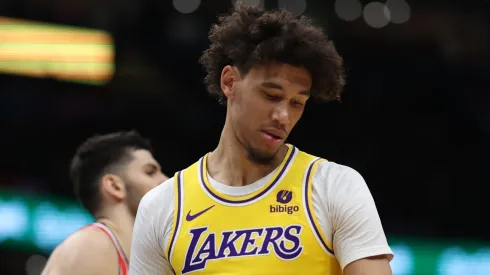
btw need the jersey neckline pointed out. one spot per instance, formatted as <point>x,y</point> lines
<point>254,196</point>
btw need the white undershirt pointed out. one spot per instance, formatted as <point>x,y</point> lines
<point>342,203</point>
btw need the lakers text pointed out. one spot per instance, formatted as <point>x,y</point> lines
<point>284,242</point>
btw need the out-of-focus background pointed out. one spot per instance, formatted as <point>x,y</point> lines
<point>414,119</point>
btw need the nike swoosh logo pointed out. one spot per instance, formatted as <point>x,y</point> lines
<point>190,217</point>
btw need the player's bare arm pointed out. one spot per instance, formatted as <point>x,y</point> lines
<point>87,252</point>
<point>377,265</point>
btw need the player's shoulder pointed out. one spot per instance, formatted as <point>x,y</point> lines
<point>160,198</point>
<point>88,245</point>
<point>155,213</point>
<point>86,240</point>
<point>156,195</point>
<point>332,171</point>
<point>333,180</point>
<point>329,173</point>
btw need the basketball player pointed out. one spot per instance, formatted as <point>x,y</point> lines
<point>111,173</point>
<point>256,205</point>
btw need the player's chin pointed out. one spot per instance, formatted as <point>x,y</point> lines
<point>266,148</point>
<point>261,153</point>
<point>269,151</point>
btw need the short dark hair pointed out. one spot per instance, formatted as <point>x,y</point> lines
<point>251,36</point>
<point>95,156</point>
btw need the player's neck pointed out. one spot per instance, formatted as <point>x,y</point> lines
<point>121,223</point>
<point>230,165</point>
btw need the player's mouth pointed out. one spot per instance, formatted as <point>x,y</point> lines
<point>273,136</point>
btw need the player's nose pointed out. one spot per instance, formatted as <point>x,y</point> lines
<point>281,114</point>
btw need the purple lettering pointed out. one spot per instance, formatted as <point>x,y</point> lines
<point>207,251</point>
<point>284,242</point>
<point>296,249</point>
<point>271,237</point>
<point>229,244</point>
<point>248,241</point>
<point>188,265</point>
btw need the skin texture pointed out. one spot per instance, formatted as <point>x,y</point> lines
<point>270,98</point>
<point>86,252</point>
<point>90,251</point>
<point>369,266</point>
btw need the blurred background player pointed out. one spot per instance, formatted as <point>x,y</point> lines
<point>256,205</point>
<point>110,173</point>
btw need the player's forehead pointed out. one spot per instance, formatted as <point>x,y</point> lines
<point>142,157</point>
<point>281,73</point>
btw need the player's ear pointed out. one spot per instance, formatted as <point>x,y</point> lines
<point>229,78</point>
<point>114,186</point>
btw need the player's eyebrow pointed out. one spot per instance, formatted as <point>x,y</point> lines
<point>306,93</point>
<point>152,165</point>
<point>273,85</point>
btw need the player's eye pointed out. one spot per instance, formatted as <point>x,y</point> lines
<point>272,97</point>
<point>151,171</point>
<point>298,104</point>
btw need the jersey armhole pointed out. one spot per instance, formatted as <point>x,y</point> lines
<point>313,220</point>
<point>177,214</point>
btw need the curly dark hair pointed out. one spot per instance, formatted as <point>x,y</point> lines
<point>96,156</point>
<point>251,36</point>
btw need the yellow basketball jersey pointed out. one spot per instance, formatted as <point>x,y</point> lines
<point>271,231</point>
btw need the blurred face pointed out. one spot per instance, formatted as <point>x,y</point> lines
<point>142,174</point>
<point>265,105</point>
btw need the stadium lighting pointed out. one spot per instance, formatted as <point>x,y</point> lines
<point>348,10</point>
<point>376,15</point>
<point>186,6</point>
<point>399,11</point>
